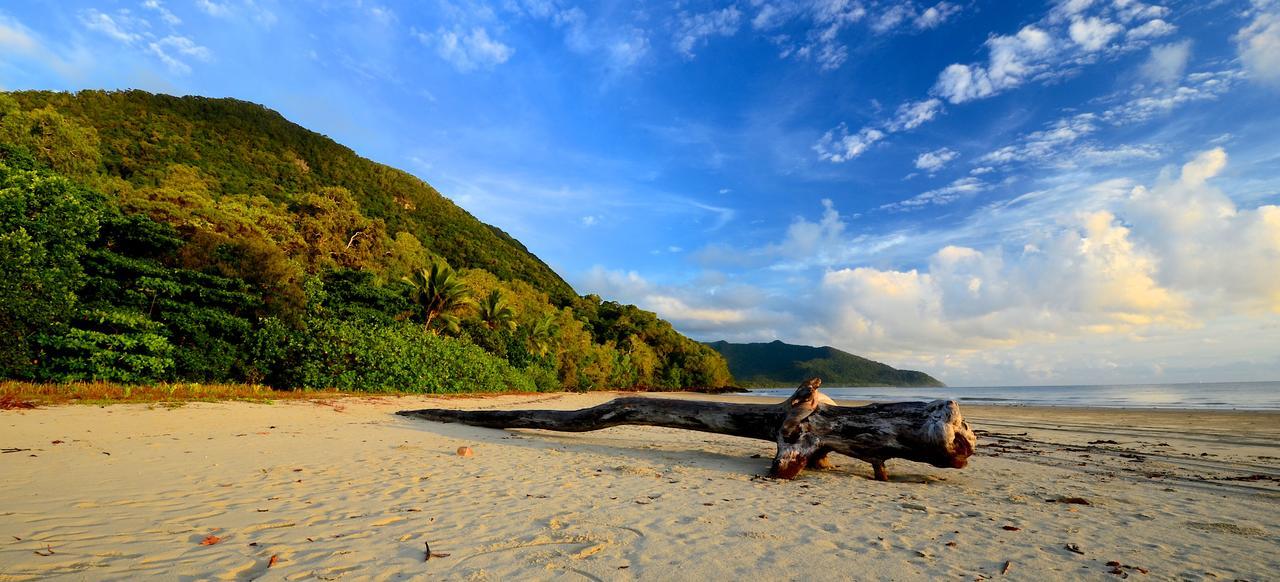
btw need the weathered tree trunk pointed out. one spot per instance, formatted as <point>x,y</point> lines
<point>806,427</point>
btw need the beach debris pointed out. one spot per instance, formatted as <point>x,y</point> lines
<point>1069,500</point>
<point>1103,442</point>
<point>57,442</point>
<point>274,558</point>
<point>209,540</point>
<point>45,554</point>
<point>465,452</point>
<point>805,427</point>
<point>430,554</point>
<point>951,544</point>
<point>916,507</point>
<point>12,402</point>
<point>1012,528</point>
<point>1005,569</point>
<point>1073,548</point>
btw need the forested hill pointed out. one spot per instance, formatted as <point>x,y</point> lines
<point>149,238</point>
<point>241,149</point>
<point>780,364</point>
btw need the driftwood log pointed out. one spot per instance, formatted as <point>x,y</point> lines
<point>806,427</point>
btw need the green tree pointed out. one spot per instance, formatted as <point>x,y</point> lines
<point>46,223</point>
<point>63,144</point>
<point>495,313</point>
<point>439,292</point>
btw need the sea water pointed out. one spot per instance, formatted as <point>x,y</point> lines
<point>1196,396</point>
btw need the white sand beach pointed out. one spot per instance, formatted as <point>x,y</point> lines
<point>347,490</point>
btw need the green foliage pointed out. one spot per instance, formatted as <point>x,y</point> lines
<point>46,223</point>
<point>65,145</point>
<point>495,313</point>
<point>439,293</point>
<point>351,355</point>
<point>246,150</point>
<point>779,364</point>
<point>236,246</point>
<point>115,345</point>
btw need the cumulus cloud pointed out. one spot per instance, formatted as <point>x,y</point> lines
<point>467,50</point>
<point>1093,33</point>
<point>936,159</point>
<point>1226,256</point>
<point>1148,263</point>
<point>693,30</point>
<point>1012,60</point>
<point>1258,44</point>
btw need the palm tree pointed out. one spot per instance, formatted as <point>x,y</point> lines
<point>439,291</point>
<point>542,332</point>
<point>495,313</point>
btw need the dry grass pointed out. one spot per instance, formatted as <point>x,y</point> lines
<point>28,395</point>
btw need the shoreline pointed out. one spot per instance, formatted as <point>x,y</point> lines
<point>345,489</point>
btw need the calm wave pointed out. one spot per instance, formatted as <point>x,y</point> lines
<point>1201,396</point>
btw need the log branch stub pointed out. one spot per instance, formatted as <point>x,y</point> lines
<point>806,427</point>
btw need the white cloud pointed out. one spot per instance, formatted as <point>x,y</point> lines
<point>1202,86</point>
<point>259,14</point>
<point>171,49</point>
<point>838,145</point>
<point>935,15</point>
<point>1150,29</point>
<point>16,38</point>
<point>1012,60</point>
<point>1043,145</point>
<point>936,159</point>
<point>693,30</point>
<point>709,307</point>
<point>1093,33</point>
<point>468,50</point>
<point>165,14</point>
<point>1259,46</point>
<point>217,9</point>
<point>1167,63</point>
<point>122,27</point>
<point>913,114</point>
<point>957,189</point>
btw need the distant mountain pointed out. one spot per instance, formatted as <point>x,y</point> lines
<point>779,364</point>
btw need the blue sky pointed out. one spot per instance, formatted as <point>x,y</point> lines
<point>994,192</point>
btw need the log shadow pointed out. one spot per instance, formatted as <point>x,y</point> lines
<point>694,454</point>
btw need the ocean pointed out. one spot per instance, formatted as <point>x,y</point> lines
<point>1197,396</point>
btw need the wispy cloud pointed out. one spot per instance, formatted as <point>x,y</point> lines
<point>693,30</point>
<point>957,189</point>
<point>1258,43</point>
<point>467,50</point>
<point>1067,37</point>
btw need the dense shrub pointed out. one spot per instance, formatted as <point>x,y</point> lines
<point>354,355</point>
